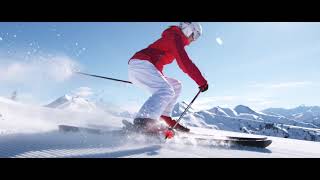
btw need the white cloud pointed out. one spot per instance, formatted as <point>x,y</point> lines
<point>251,100</point>
<point>209,102</point>
<point>260,101</point>
<point>37,69</point>
<point>83,92</point>
<point>282,85</point>
<point>291,84</point>
<point>219,41</point>
<point>258,96</point>
<point>26,97</point>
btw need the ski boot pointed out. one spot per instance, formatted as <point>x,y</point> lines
<point>148,126</point>
<point>170,122</point>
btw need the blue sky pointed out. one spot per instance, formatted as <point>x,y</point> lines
<point>256,64</point>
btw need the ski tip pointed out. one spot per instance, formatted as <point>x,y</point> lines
<point>268,143</point>
<point>255,143</point>
<point>67,128</point>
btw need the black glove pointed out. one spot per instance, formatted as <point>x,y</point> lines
<point>204,88</point>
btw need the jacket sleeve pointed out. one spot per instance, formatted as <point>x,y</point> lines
<point>184,62</point>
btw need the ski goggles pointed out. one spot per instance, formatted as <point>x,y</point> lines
<point>196,35</point>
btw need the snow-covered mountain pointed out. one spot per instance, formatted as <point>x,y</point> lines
<point>230,112</point>
<point>307,114</point>
<point>60,101</point>
<point>81,104</point>
<point>289,112</point>
<point>180,107</point>
<point>275,118</point>
<point>219,111</point>
<point>73,103</point>
<point>244,119</point>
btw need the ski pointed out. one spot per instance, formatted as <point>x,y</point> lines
<point>262,142</point>
<point>229,137</point>
<point>130,128</point>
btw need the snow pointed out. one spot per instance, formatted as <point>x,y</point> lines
<point>218,111</point>
<point>60,101</point>
<point>308,115</point>
<point>21,118</point>
<point>180,107</point>
<point>244,109</point>
<point>230,112</point>
<point>219,41</point>
<point>54,144</point>
<point>258,124</point>
<point>248,116</point>
<point>38,68</point>
<point>31,131</point>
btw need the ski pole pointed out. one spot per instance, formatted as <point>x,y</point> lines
<point>185,111</point>
<point>104,77</point>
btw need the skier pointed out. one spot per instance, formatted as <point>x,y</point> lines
<point>146,71</point>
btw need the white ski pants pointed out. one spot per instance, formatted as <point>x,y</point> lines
<point>165,91</point>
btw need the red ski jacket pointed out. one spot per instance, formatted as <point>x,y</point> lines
<point>169,47</point>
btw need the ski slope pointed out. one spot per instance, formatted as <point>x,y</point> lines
<point>82,145</point>
<point>32,132</point>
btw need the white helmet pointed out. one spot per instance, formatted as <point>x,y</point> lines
<point>191,27</point>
